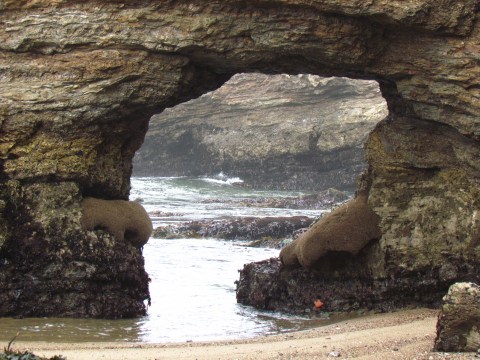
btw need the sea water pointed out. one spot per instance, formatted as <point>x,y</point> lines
<point>185,199</point>
<point>192,280</point>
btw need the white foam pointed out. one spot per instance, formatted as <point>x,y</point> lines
<point>223,179</point>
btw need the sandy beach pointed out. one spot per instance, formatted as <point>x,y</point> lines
<point>407,334</point>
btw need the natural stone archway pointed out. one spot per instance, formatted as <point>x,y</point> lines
<point>79,81</point>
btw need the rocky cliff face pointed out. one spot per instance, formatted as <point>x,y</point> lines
<point>279,131</point>
<point>80,80</point>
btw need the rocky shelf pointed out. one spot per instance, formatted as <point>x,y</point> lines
<point>265,231</point>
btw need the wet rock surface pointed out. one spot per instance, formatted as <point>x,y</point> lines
<point>458,327</point>
<point>80,80</point>
<point>269,230</point>
<point>269,285</point>
<point>54,268</point>
<point>320,126</point>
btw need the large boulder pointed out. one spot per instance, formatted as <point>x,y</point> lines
<point>125,220</point>
<point>348,228</point>
<point>458,327</point>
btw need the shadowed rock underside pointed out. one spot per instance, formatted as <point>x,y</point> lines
<point>80,80</point>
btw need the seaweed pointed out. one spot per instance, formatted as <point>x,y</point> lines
<point>9,354</point>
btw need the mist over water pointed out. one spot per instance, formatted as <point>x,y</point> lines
<point>192,280</point>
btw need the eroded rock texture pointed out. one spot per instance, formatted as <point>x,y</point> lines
<point>80,80</point>
<point>458,327</point>
<point>241,228</point>
<point>279,132</point>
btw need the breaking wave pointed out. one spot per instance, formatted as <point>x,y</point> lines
<point>222,179</point>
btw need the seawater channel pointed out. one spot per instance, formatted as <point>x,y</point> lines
<point>192,280</point>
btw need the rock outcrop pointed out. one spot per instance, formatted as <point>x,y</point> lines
<point>79,82</point>
<point>267,229</point>
<point>458,327</point>
<point>269,285</point>
<point>320,127</point>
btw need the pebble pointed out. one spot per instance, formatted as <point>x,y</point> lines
<point>334,354</point>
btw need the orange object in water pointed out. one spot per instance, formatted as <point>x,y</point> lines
<point>318,304</point>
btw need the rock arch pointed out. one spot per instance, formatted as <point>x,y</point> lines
<point>79,81</point>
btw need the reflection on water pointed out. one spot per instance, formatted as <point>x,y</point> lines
<point>69,330</point>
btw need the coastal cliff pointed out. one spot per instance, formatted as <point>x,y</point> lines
<point>274,132</point>
<point>79,82</point>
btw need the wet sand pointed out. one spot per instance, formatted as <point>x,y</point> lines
<point>406,334</point>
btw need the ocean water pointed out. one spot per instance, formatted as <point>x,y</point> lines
<point>185,199</point>
<point>193,280</point>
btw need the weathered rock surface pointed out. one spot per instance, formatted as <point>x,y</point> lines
<point>269,285</point>
<point>245,228</point>
<point>50,266</point>
<point>458,327</point>
<point>80,80</point>
<point>291,132</point>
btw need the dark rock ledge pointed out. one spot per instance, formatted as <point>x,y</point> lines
<point>340,283</point>
<point>268,231</point>
<point>262,231</point>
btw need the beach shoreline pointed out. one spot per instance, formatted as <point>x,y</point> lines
<point>405,334</point>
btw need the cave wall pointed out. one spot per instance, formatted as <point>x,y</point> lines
<point>79,81</point>
<point>296,132</point>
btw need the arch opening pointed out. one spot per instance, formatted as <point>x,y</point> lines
<point>291,132</point>
<point>77,97</point>
<point>213,145</point>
